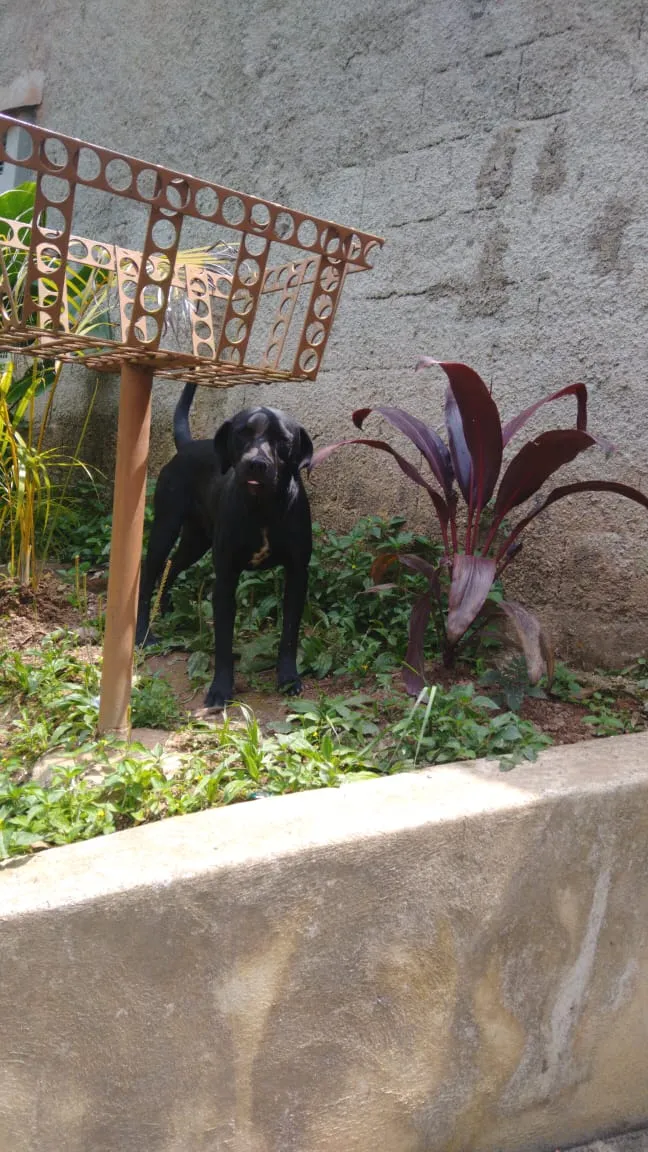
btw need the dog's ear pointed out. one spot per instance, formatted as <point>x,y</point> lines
<point>302,448</point>
<point>222,446</point>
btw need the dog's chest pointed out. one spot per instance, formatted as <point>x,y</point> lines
<point>263,552</point>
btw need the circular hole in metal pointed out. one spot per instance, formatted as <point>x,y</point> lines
<point>128,309</point>
<point>202,330</point>
<point>315,333</point>
<point>206,202</point>
<point>88,164</point>
<point>278,330</point>
<point>54,153</point>
<point>222,287</point>
<point>260,215</point>
<point>52,220</point>
<point>272,355</point>
<point>242,301</point>
<point>47,253</point>
<point>129,289</point>
<point>19,144</point>
<point>119,174</point>
<point>255,245</point>
<point>55,189</point>
<point>77,250</point>
<point>200,308</point>
<point>284,226</point>
<point>331,242</point>
<point>323,307</point>
<point>205,350</point>
<point>178,193</point>
<point>147,183</point>
<point>330,279</point>
<point>164,233</point>
<point>158,267</point>
<point>101,255</point>
<point>249,272</point>
<point>353,246</point>
<point>308,360</point>
<point>235,330</point>
<point>151,298</point>
<point>233,210</point>
<point>230,356</point>
<point>286,305</point>
<point>46,289</point>
<point>126,265</point>
<point>147,329</point>
<point>307,233</point>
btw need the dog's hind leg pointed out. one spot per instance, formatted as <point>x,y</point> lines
<point>193,544</point>
<point>163,535</point>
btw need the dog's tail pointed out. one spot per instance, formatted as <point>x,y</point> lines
<point>181,430</point>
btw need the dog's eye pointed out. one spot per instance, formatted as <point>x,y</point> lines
<point>283,450</point>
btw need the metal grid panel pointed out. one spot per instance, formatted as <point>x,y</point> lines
<point>37,320</point>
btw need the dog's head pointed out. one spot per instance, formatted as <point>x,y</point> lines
<point>264,447</point>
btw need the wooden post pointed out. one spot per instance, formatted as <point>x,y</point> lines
<point>126,545</point>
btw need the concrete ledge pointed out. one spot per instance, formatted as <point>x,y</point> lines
<point>454,960</point>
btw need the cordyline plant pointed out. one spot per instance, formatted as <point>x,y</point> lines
<point>475,555</point>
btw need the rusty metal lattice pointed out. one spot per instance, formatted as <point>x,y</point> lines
<point>228,337</point>
<point>238,316</point>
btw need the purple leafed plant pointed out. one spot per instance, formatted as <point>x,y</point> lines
<point>476,554</point>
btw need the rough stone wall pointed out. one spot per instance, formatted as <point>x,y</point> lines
<point>498,145</point>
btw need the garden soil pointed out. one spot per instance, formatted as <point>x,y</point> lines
<point>26,617</point>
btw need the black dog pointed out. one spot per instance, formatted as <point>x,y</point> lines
<point>240,494</point>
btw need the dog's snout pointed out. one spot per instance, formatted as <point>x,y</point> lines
<point>258,466</point>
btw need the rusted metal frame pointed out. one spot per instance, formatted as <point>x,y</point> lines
<point>176,191</point>
<point>126,279</point>
<point>154,276</point>
<point>11,315</point>
<point>319,318</point>
<point>284,314</point>
<point>202,321</point>
<point>241,305</point>
<point>38,267</point>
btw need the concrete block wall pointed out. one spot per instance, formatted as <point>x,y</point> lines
<point>451,960</point>
<point>498,145</point>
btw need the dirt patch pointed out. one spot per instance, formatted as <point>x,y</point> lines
<point>25,618</point>
<point>261,695</point>
<point>560,719</point>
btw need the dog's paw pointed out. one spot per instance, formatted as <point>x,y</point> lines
<point>216,698</point>
<point>291,687</point>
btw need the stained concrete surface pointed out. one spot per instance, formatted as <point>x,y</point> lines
<point>455,959</point>
<point>498,145</point>
<point>633,1142</point>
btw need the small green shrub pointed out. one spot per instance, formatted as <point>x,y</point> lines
<point>459,724</point>
<point>153,704</point>
<point>347,628</point>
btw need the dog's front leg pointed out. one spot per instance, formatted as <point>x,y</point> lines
<point>224,605</point>
<point>295,587</point>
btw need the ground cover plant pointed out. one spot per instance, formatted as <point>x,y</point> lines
<point>477,549</point>
<point>59,783</point>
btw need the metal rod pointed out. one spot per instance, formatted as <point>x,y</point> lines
<point>126,545</point>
